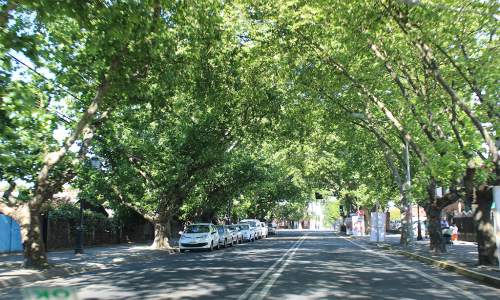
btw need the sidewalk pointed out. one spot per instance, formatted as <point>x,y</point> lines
<point>66,262</point>
<point>461,258</point>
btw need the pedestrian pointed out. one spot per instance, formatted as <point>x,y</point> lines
<point>426,230</point>
<point>454,232</point>
<point>444,223</point>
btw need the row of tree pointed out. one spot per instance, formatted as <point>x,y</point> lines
<point>207,108</point>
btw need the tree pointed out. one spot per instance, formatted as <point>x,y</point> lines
<point>99,56</point>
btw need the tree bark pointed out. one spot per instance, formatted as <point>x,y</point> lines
<point>433,212</point>
<point>368,218</point>
<point>481,208</point>
<point>405,222</point>
<point>162,229</point>
<point>33,246</point>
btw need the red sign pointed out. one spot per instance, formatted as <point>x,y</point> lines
<point>360,213</point>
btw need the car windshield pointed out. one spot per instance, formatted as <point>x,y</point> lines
<point>251,224</point>
<point>220,229</point>
<point>197,228</point>
<point>232,227</point>
<point>244,226</point>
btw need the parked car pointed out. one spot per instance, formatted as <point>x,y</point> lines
<point>236,232</point>
<point>225,236</point>
<point>199,236</point>
<point>265,230</point>
<point>255,224</point>
<point>271,227</point>
<point>247,231</point>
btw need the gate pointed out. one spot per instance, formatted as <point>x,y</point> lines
<point>465,229</point>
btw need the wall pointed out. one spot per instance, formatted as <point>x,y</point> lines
<point>10,235</point>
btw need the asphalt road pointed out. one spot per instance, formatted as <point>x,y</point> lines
<point>290,265</point>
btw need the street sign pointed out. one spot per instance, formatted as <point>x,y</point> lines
<point>50,293</point>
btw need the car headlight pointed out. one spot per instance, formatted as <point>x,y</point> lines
<point>205,236</point>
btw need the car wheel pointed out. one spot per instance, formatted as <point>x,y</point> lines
<point>237,241</point>
<point>232,243</point>
<point>225,243</point>
<point>182,250</point>
<point>241,240</point>
<point>212,246</point>
<point>218,245</point>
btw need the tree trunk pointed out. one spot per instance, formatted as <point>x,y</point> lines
<point>434,227</point>
<point>33,246</point>
<point>368,218</point>
<point>405,223</point>
<point>483,226</point>
<point>162,228</point>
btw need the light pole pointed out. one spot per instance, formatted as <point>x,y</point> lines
<point>419,230</point>
<point>95,162</point>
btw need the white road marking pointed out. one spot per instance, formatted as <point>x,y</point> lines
<point>275,276</point>
<point>264,275</point>
<point>423,274</point>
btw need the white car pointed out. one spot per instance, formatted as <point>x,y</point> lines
<point>247,231</point>
<point>272,227</point>
<point>225,236</point>
<point>255,225</point>
<point>199,236</point>
<point>265,230</point>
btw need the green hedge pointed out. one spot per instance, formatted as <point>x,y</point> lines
<point>62,209</point>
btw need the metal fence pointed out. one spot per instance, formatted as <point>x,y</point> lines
<point>465,229</point>
<point>10,235</point>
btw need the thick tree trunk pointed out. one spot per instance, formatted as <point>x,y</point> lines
<point>162,228</point>
<point>33,246</point>
<point>483,226</point>
<point>405,223</point>
<point>433,212</point>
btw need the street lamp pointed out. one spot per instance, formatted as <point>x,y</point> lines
<point>419,231</point>
<point>95,162</point>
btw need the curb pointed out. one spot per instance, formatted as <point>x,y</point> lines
<point>490,280</point>
<point>61,272</point>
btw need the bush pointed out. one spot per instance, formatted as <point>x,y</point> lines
<point>63,209</point>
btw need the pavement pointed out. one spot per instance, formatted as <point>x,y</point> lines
<point>66,262</point>
<point>460,258</point>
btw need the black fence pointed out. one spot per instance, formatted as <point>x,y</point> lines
<point>465,229</point>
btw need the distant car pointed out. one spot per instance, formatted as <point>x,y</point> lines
<point>199,236</point>
<point>255,224</point>
<point>272,228</point>
<point>265,230</point>
<point>237,234</point>
<point>225,236</point>
<point>247,231</point>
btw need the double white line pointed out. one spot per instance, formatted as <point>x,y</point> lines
<point>274,276</point>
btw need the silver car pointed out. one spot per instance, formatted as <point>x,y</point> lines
<point>225,236</point>
<point>236,232</point>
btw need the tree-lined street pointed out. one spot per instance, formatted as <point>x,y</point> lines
<point>290,265</point>
<point>209,111</point>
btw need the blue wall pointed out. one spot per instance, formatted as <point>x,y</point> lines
<point>10,235</point>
